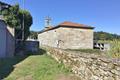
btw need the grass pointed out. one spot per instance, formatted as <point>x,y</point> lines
<point>6,65</point>
<point>91,51</point>
<point>115,49</point>
<point>34,67</point>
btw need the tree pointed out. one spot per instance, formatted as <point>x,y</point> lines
<point>33,35</point>
<point>25,17</point>
<point>11,16</point>
<point>15,17</point>
<point>105,36</point>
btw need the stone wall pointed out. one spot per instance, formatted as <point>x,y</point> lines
<point>88,67</point>
<point>32,46</point>
<point>67,38</point>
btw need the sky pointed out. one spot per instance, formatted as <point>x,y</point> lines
<point>104,15</point>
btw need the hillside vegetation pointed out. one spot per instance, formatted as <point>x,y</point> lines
<point>105,36</point>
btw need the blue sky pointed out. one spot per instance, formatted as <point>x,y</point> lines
<point>104,15</point>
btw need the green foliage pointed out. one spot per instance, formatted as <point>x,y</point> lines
<point>27,18</point>
<point>0,12</point>
<point>115,49</point>
<point>105,36</point>
<point>11,16</point>
<point>33,35</point>
<point>14,17</point>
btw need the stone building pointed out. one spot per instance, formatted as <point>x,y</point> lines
<point>67,35</point>
<point>7,41</point>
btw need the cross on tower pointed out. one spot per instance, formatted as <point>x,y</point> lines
<point>48,21</point>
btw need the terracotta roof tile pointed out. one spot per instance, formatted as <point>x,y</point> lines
<point>67,23</point>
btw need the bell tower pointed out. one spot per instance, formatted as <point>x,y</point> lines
<point>47,22</point>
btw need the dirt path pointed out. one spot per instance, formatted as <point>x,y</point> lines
<point>67,77</point>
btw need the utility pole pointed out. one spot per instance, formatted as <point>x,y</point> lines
<point>23,23</point>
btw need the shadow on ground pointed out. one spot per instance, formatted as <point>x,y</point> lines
<point>40,52</point>
<point>7,64</point>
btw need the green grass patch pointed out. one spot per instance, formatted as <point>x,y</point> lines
<point>115,49</point>
<point>91,51</point>
<point>34,67</point>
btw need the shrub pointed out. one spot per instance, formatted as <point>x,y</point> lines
<point>115,49</point>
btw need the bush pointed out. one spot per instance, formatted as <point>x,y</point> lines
<point>115,49</point>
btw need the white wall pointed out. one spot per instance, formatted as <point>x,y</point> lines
<point>10,49</point>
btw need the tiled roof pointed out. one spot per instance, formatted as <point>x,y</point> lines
<point>68,25</point>
<point>71,24</point>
